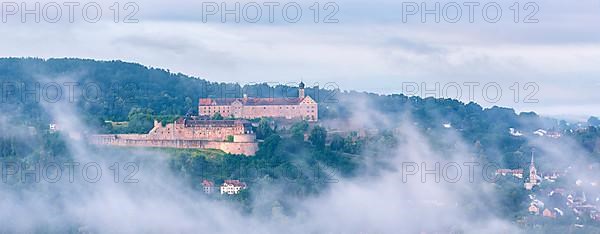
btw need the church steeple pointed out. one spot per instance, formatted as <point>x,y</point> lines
<point>301,90</point>
<point>532,171</point>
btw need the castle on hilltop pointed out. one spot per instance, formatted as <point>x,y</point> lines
<point>302,107</point>
<point>230,136</point>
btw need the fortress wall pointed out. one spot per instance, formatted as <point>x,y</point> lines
<point>179,131</point>
<point>245,148</point>
<point>244,138</point>
<point>139,140</point>
<point>206,135</point>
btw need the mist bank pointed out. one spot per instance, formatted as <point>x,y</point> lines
<point>371,165</point>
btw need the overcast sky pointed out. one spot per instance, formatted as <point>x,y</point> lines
<point>373,47</point>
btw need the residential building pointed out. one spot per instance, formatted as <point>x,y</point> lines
<point>208,186</point>
<point>232,187</point>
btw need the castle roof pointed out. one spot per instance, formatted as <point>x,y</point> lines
<point>202,122</point>
<point>236,183</point>
<point>250,101</point>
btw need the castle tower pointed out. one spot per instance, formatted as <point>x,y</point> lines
<point>301,90</point>
<point>532,171</point>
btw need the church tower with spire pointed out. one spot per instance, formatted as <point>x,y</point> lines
<point>533,178</point>
<point>301,90</point>
<point>532,171</point>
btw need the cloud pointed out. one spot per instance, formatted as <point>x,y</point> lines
<point>377,200</point>
<point>370,38</point>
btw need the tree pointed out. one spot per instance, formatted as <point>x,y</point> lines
<point>264,129</point>
<point>298,129</point>
<point>189,106</point>
<point>217,116</point>
<point>317,137</point>
<point>269,145</point>
<point>140,120</point>
<point>337,143</point>
<point>593,121</point>
<point>229,138</point>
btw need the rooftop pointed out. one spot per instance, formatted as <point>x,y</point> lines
<point>249,101</point>
<point>201,122</point>
<point>208,183</point>
<point>236,183</point>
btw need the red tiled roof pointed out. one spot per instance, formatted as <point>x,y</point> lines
<point>208,183</point>
<point>206,101</point>
<point>249,101</point>
<point>196,121</point>
<point>235,183</point>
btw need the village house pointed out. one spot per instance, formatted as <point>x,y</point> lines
<point>554,135</point>
<point>513,172</point>
<point>208,186</point>
<point>232,187</point>
<point>558,212</point>
<point>560,191</point>
<point>548,213</point>
<point>52,128</point>
<point>551,176</point>
<point>595,215</point>
<point>533,209</point>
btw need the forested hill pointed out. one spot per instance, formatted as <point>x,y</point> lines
<point>129,90</point>
<point>124,86</point>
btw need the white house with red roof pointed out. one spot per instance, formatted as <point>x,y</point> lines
<point>208,186</point>
<point>232,187</point>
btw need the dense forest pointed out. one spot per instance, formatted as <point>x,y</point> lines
<point>107,92</point>
<point>119,91</point>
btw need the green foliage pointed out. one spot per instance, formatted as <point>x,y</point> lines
<point>511,195</point>
<point>165,119</point>
<point>140,120</point>
<point>318,136</point>
<point>298,129</point>
<point>264,129</point>
<point>138,94</point>
<point>229,138</point>
<point>590,140</point>
<point>337,143</point>
<point>269,146</point>
<point>217,116</point>
<point>593,121</point>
